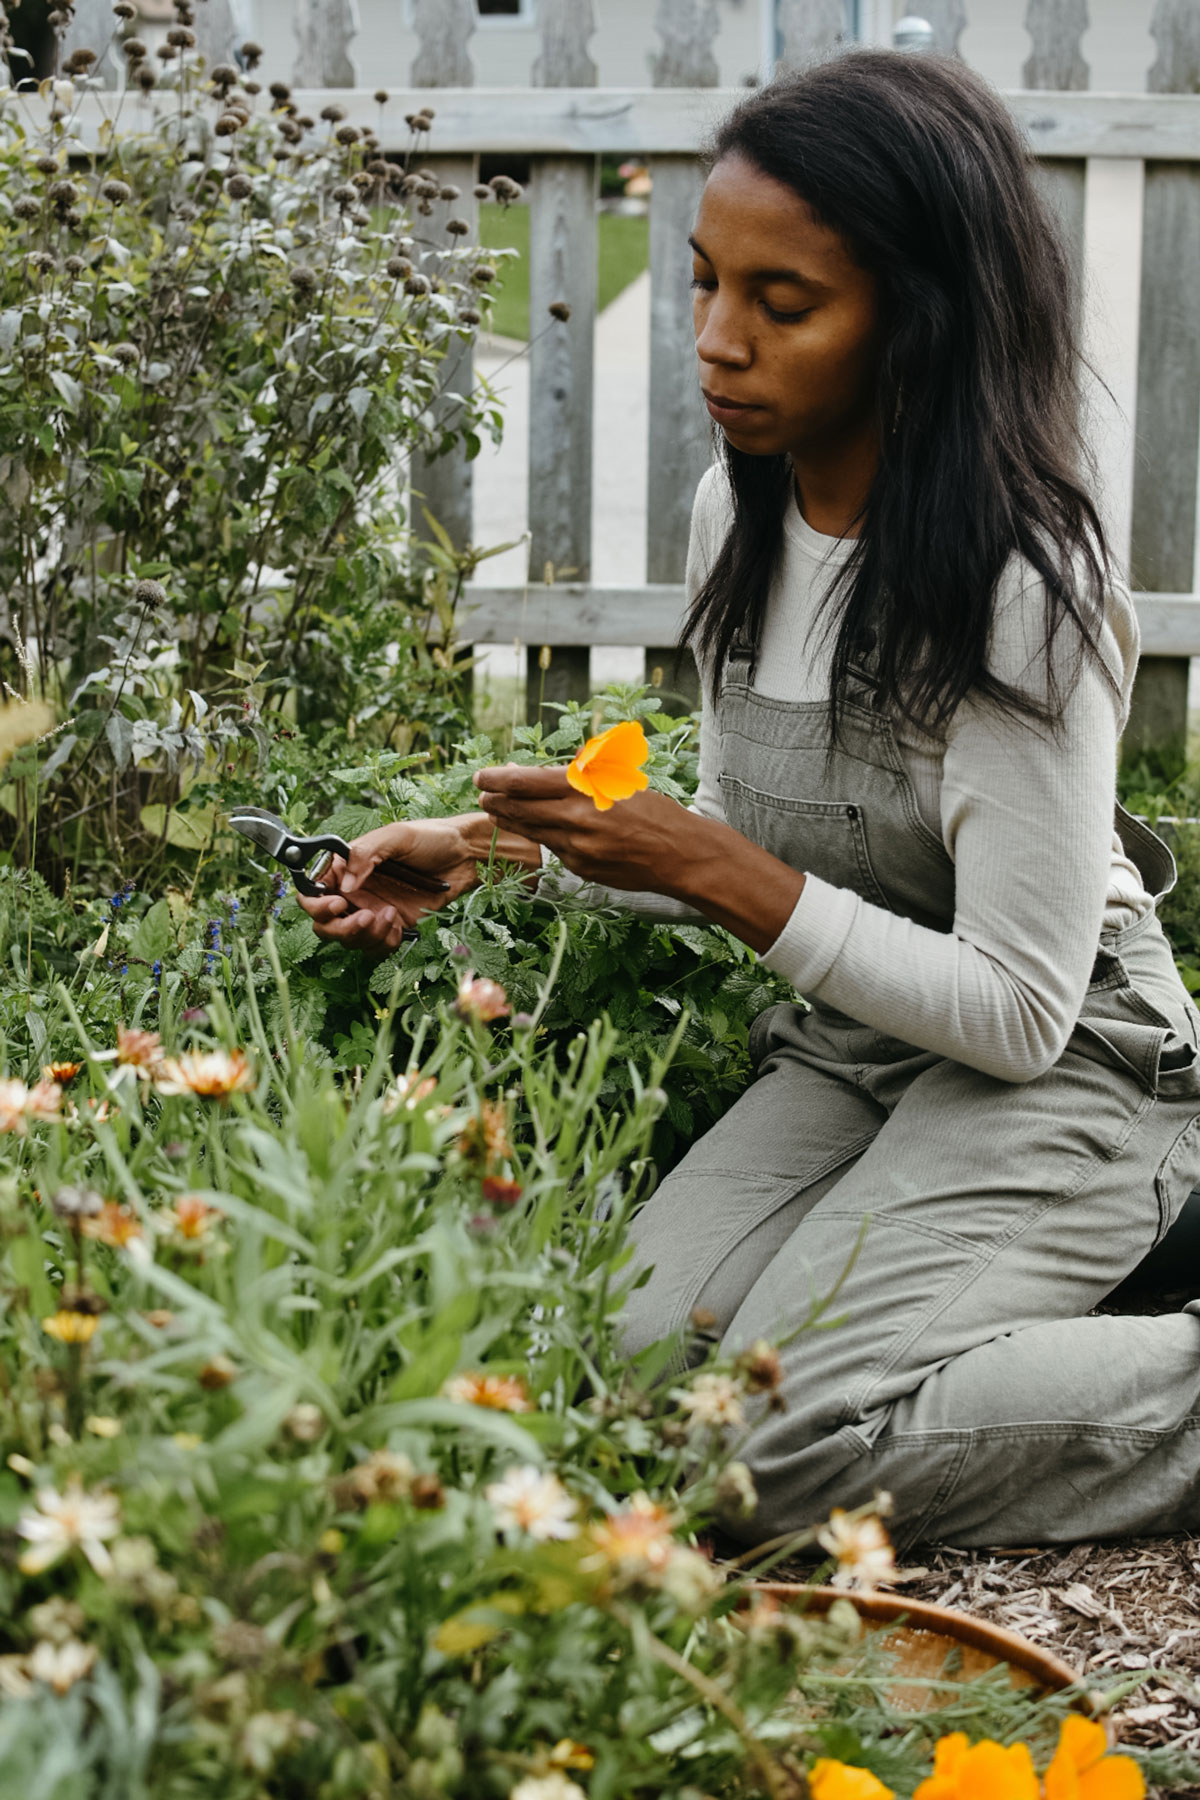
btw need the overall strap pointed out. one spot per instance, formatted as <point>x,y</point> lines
<point>740,663</point>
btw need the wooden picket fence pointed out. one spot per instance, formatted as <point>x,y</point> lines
<point>563,123</point>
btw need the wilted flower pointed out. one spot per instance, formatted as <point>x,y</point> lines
<point>64,1522</point>
<point>60,1666</point>
<point>215,1074</point>
<point>559,309</point>
<point>74,265</point>
<point>305,1422</point>
<point>485,1137</point>
<point>534,1501</point>
<point>25,206</point>
<point>385,1475</point>
<point>116,192</point>
<point>689,1579</point>
<point>499,1192</point>
<point>126,354</point>
<point>303,279</point>
<point>480,999</point>
<point>217,1373</point>
<point>713,1400</point>
<point>467,315</point>
<point>57,1619</point>
<point>41,262</point>
<point>862,1548</point>
<point>609,767</point>
<point>140,1049</point>
<point>45,1100</point>
<point>239,187</point>
<point>734,1492</point>
<point>502,1393</point>
<point>398,267</point>
<point>75,1203</point>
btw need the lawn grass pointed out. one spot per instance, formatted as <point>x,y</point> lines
<point>623,251</point>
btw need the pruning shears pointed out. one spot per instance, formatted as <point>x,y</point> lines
<point>307,858</point>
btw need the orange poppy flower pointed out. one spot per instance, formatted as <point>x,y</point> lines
<point>61,1072</point>
<point>1083,1770</point>
<point>983,1771</point>
<point>831,1780</point>
<point>609,767</point>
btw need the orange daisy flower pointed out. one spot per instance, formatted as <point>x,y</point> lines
<point>193,1217</point>
<point>115,1225</point>
<point>1083,1770</point>
<point>962,1771</point>
<point>502,1393</point>
<point>609,767</point>
<point>214,1074</point>
<point>61,1072</point>
<point>138,1049</point>
<point>642,1532</point>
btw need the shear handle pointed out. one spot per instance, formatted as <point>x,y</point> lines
<point>300,851</point>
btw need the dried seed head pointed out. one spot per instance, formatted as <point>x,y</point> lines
<point>58,19</point>
<point>74,265</point>
<point>145,77</point>
<point>425,209</point>
<point>380,167</point>
<point>74,1202</point>
<point>74,220</point>
<point>303,279</point>
<point>187,211</point>
<point>482,191</point>
<point>417,285</point>
<point>252,87</point>
<point>362,182</point>
<point>116,192</point>
<point>239,107</point>
<point>426,190</point>
<point>25,206</point>
<point>63,193</point>
<point>127,355</point>
<point>181,39</point>
<point>239,187</point>
<point>382,95</point>
<point>166,53</point>
<point>149,593</point>
<point>482,274</point>
<point>409,184</point>
<point>333,113</point>
<point>305,121</point>
<point>42,263</point>
<point>224,75</point>
<point>457,227</point>
<point>346,134</point>
<point>79,61</point>
<point>227,124</point>
<point>344,195</point>
<point>360,218</point>
<point>47,165</point>
<point>125,9</point>
<point>289,131</point>
<point>449,192</point>
<point>425,118</point>
<point>558,309</point>
<point>134,49</point>
<point>279,90</point>
<point>399,268</point>
<point>252,53</point>
<point>467,315</point>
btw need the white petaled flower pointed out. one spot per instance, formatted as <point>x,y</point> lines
<point>14,1100</point>
<point>713,1400</point>
<point>70,1521</point>
<point>533,1501</point>
<point>60,1666</point>
<point>862,1547</point>
<point>554,1786</point>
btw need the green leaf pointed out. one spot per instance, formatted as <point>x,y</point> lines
<point>190,830</point>
<point>69,390</point>
<point>155,934</point>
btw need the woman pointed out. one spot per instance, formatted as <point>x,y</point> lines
<point>917,664</point>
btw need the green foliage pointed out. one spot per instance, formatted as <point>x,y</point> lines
<point>214,360</point>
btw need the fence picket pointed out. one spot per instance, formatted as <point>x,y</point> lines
<point>1167,429</point>
<point>948,18</point>
<point>323,30</point>
<point>443,484</point>
<point>1056,29</point>
<point>808,29</point>
<point>562,266</point>
<point>687,29</point>
<point>91,28</point>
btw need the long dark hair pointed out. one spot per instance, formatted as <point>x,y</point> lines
<point>918,165</point>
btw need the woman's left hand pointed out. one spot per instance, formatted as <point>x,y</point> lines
<point>636,844</point>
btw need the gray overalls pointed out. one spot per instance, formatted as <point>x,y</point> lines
<point>965,1377</point>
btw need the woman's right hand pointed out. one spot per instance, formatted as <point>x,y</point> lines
<point>370,911</point>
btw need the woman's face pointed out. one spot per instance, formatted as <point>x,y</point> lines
<point>787,323</point>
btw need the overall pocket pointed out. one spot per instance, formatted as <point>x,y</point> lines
<point>826,838</point>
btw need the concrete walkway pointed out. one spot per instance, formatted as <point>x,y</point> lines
<point>619,450</point>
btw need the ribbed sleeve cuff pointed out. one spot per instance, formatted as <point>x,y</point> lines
<point>811,941</point>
